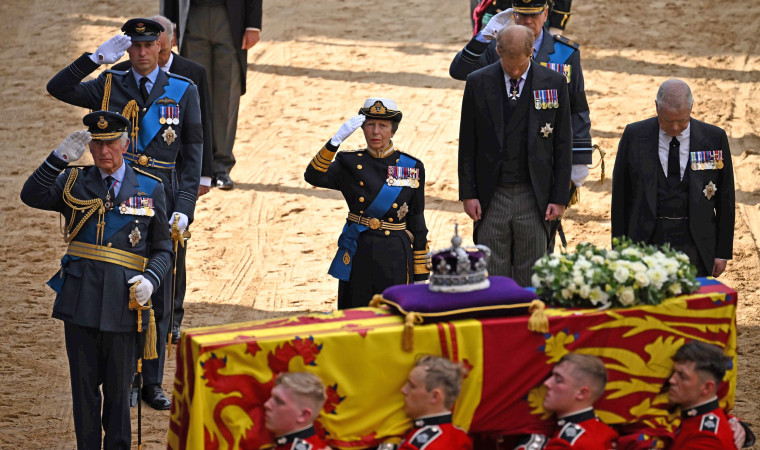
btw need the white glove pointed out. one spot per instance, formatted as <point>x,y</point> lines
<point>347,128</point>
<point>144,289</point>
<point>111,50</point>
<point>182,224</point>
<point>496,23</point>
<point>72,148</point>
<point>579,174</point>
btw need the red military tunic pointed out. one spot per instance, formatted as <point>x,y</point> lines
<point>704,427</point>
<point>582,430</point>
<point>436,433</point>
<point>305,439</point>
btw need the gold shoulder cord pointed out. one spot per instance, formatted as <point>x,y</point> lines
<point>87,206</point>
<point>132,112</point>
<point>106,93</point>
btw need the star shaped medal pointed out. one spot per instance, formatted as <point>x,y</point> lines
<point>546,130</point>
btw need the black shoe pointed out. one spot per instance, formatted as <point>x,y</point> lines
<point>223,182</point>
<point>175,335</point>
<point>154,396</point>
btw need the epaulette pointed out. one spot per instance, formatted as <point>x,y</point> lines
<point>180,77</point>
<point>117,72</point>
<point>142,172</point>
<point>571,432</point>
<point>566,41</point>
<point>709,423</point>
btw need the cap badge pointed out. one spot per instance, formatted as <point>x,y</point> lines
<point>379,108</point>
<point>102,124</point>
<point>140,27</point>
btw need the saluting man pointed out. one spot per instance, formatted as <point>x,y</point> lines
<point>384,241</point>
<point>117,235</point>
<point>166,120</point>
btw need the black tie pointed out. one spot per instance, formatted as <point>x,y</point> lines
<point>144,89</point>
<point>674,162</point>
<point>110,195</point>
<point>514,88</point>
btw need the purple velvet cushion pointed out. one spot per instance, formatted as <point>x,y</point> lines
<point>496,300</point>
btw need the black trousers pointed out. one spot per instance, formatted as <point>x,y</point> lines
<point>99,358</point>
<point>179,295</point>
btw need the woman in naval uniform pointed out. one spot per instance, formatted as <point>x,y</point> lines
<point>384,241</point>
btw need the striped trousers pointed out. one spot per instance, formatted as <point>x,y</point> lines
<point>515,231</point>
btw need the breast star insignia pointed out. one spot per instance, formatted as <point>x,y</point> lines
<point>169,136</point>
<point>546,130</point>
<point>710,190</point>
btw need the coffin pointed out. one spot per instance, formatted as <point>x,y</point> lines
<point>225,373</point>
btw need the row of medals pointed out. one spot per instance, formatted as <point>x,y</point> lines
<point>713,163</point>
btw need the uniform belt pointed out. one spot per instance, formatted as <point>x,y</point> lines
<point>147,161</point>
<point>107,254</point>
<point>375,224</point>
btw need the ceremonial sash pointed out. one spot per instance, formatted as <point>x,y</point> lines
<point>561,53</point>
<point>114,221</point>
<point>347,242</point>
<point>149,124</point>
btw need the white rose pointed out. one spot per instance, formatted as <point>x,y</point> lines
<point>621,275</point>
<point>613,254</point>
<point>675,289</point>
<point>638,267</point>
<point>585,291</point>
<point>598,296</point>
<point>578,280</point>
<point>535,280</point>
<point>596,259</point>
<point>554,262</point>
<point>642,279</point>
<point>583,264</point>
<point>631,251</point>
<point>657,277</point>
<point>567,294</point>
<point>627,297</point>
<point>589,254</point>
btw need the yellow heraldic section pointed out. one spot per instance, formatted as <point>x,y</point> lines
<point>646,370</point>
<point>359,361</point>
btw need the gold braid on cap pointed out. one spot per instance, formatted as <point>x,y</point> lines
<point>132,112</point>
<point>87,206</point>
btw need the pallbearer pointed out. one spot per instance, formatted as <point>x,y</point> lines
<point>384,240</point>
<point>117,235</point>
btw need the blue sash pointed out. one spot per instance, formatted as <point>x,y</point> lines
<point>561,53</point>
<point>149,124</point>
<point>114,220</point>
<point>347,242</point>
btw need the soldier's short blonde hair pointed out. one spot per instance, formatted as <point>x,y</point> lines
<point>304,385</point>
<point>444,374</point>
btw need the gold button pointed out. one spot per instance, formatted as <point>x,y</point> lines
<point>390,219</point>
<point>397,159</point>
<point>387,232</point>
<point>361,199</point>
<point>359,166</point>
<point>395,205</point>
<point>361,212</point>
<point>109,245</point>
<point>360,154</point>
<point>361,183</point>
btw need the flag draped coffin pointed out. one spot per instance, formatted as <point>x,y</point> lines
<point>225,373</point>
